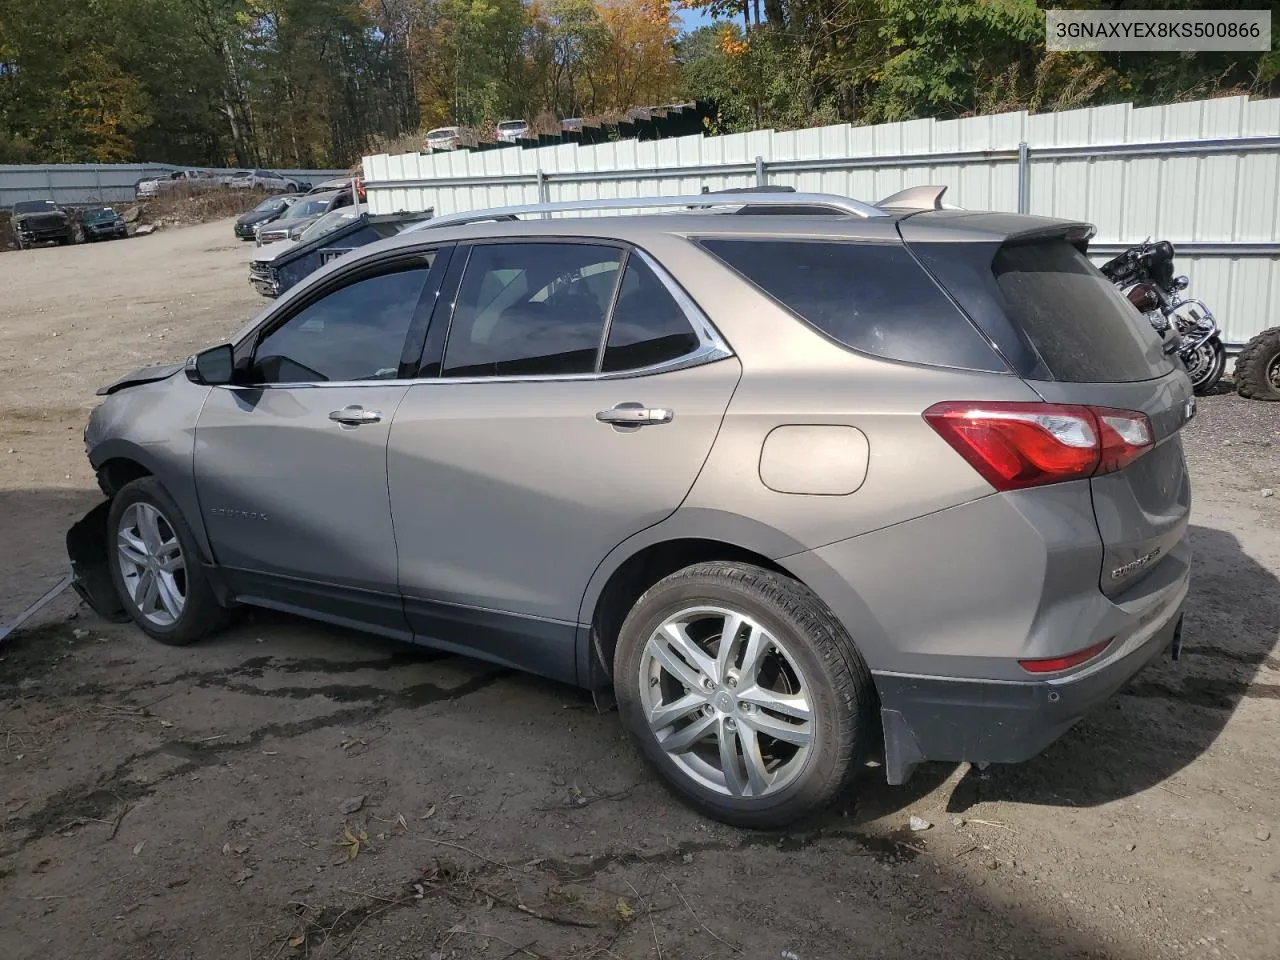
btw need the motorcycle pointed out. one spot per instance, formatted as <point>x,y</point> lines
<point>1144,274</point>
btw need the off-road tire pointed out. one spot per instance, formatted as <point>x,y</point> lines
<point>1254,363</point>
<point>201,615</point>
<point>844,695</point>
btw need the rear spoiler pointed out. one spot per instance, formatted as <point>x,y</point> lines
<point>915,198</point>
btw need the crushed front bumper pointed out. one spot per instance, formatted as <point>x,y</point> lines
<point>87,545</point>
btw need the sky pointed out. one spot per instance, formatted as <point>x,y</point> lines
<point>693,19</point>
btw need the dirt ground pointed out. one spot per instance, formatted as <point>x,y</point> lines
<point>290,790</point>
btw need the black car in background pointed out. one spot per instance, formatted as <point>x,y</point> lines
<point>40,221</point>
<point>322,243</point>
<point>269,209</point>
<point>102,223</point>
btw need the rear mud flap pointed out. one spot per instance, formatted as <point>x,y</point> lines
<point>91,577</point>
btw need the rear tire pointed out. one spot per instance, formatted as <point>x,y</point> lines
<point>706,718</point>
<point>1257,373</point>
<point>156,567</point>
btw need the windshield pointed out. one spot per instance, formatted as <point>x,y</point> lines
<point>99,213</point>
<point>271,203</point>
<point>329,222</point>
<point>309,208</point>
<point>441,133</point>
<point>511,125</point>
<point>35,206</point>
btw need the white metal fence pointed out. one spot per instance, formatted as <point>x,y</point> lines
<point>1204,175</point>
<point>82,183</point>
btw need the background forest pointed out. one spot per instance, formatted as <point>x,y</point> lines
<point>308,83</point>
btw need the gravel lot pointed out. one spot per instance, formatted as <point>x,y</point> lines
<point>289,790</point>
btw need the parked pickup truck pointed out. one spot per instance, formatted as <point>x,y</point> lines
<point>342,230</point>
<point>189,180</point>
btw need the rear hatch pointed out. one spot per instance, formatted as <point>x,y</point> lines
<point>1074,339</point>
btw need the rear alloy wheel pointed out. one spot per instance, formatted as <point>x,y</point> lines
<point>155,564</point>
<point>745,692</point>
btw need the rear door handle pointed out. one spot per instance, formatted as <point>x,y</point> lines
<point>355,415</point>
<point>635,415</point>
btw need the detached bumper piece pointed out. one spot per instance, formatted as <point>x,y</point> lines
<point>986,721</point>
<point>87,546</point>
<point>264,280</point>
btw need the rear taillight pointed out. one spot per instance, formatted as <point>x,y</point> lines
<point>1019,445</point>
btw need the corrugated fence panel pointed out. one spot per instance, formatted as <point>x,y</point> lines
<point>75,184</point>
<point>1176,186</point>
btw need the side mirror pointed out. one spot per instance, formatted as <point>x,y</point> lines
<point>1181,283</point>
<point>212,367</point>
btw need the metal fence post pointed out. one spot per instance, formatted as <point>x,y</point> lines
<point>1024,177</point>
<point>543,193</point>
<point>761,178</point>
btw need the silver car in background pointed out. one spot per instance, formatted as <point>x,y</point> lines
<point>443,138</point>
<point>510,131</point>
<point>301,215</point>
<point>796,478</point>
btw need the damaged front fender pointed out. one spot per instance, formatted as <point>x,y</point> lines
<point>87,546</point>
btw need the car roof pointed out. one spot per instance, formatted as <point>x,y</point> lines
<point>935,225</point>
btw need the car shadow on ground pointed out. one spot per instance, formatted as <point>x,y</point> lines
<point>1171,712</point>
<point>1169,715</point>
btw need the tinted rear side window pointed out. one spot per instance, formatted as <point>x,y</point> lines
<point>1078,322</point>
<point>648,326</point>
<point>871,297</point>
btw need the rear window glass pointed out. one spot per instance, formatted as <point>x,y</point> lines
<point>1079,323</point>
<point>870,297</point>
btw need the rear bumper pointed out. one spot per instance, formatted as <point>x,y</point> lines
<point>991,721</point>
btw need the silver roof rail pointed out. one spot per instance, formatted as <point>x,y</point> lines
<point>832,202</point>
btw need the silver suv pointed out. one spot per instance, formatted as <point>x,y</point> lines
<point>787,474</point>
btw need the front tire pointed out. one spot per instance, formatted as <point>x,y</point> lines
<point>1257,373</point>
<point>155,566</point>
<point>762,732</point>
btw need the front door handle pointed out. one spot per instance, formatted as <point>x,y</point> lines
<point>355,415</point>
<point>635,415</point>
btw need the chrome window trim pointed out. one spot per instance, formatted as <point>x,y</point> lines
<point>699,357</point>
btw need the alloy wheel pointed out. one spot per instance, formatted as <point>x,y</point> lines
<point>727,701</point>
<point>152,565</point>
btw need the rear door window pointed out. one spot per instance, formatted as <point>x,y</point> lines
<point>1079,323</point>
<point>531,309</point>
<point>648,327</point>
<point>871,297</point>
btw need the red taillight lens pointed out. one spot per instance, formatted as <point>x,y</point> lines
<point>1018,445</point>
<point>1055,664</point>
<point>1126,435</point>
